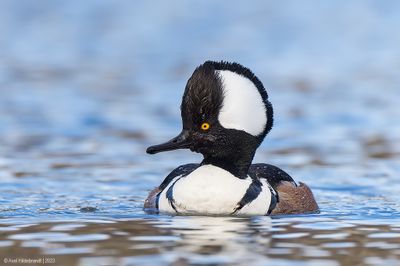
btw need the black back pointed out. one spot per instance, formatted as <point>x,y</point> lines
<point>273,174</point>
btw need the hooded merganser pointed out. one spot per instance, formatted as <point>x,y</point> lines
<point>226,115</point>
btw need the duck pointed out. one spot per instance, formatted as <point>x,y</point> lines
<point>226,114</point>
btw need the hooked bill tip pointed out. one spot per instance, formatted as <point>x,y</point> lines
<point>151,150</point>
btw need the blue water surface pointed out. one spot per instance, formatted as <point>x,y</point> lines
<point>86,86</point>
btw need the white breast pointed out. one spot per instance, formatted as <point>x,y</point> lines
<point>212,190</point>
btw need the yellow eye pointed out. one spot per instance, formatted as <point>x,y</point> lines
<point>205,126</point>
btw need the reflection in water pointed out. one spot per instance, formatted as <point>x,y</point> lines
<point>218,239</point>
<point>208,240</point>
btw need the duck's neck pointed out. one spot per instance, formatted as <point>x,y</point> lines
<point>236,163</point>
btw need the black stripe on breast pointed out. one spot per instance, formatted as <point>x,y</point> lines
<point>251,194</point>
<point>157,199</point>
<point>170,195</point>
<point>182,171</point>
<point>274,200</point>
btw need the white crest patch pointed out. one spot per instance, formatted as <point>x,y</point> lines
<point>243,107</point>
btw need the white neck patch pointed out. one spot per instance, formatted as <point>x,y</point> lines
<point>242,108</point>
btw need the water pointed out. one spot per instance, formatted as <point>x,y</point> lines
<point>86,87</point>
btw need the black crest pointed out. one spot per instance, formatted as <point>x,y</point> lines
<point>203,97</point>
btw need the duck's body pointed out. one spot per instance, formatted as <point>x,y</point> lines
<point>209,189</point>
<point>286,196</point>
<point>226,115</point>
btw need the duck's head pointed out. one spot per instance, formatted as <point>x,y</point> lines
<point>225,113</point>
